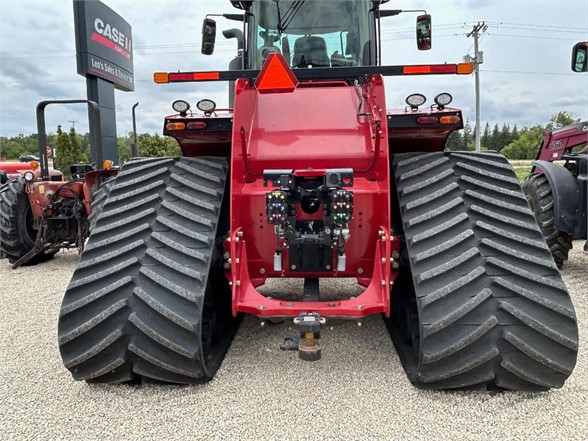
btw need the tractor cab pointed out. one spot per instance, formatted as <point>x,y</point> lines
<point>311,33</point>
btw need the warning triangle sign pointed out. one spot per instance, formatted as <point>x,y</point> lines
<point>276,76</point>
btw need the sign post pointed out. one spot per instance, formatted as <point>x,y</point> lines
<point>104,53</point>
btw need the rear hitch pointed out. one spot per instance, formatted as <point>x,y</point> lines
<point>309,328</point>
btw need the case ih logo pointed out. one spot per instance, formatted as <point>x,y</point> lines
<point>555,145</point>
<point>111,38</point>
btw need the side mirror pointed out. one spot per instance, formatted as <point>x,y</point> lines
<point>579,57</point>
<point>424,34</point>
<point>208,36</point>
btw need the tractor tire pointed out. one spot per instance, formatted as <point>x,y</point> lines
<point>98,200</point>
<point>148,301</point>
<point>492,310</point>
<point>17,230</point>
<point>540,197</point>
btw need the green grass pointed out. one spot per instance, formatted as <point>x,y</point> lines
<point>522,171</point>
<point>521,167</point>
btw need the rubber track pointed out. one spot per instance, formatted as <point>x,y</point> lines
<point>133,309</point>
<point>13,245</point>
<point>492,306</point>
<point>538,192</point>
<point>98,200</point>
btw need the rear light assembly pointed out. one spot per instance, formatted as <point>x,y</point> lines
<point>196,125</point>
<point>450,119</point>
<point>175,126</point>
<point>427,120</point>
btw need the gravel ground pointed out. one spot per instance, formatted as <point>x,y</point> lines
<point>357,391</point>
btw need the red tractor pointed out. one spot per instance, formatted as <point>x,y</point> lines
<point>308,176</point>
<point>13,169</point>
<point>40,213</point>
<point>557,194</point>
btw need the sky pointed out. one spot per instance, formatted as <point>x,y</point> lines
<point>525,78</point>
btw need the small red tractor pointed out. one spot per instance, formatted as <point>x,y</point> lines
<point>12,170</point>
<point>307,176</point>
<point>40,212</point>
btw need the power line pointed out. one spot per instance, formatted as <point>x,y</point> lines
<point>535,25</point>
<point>522,72</point>
<point>531,36</point>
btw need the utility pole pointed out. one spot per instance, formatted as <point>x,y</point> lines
<point>478,59</point>
<point>73,123</point>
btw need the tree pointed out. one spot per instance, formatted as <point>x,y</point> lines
<point>467,141</point>
<point>526,145</point>
<point>67,151</point>
<point>124,147</point>
<point>155,145</point>
<point>514,134</point>
<point>559,120</point>
<point>76,151</point>
<point>504,137</point>
<point>494,140</point>
<point>485,139</point>
<point>453,141</point>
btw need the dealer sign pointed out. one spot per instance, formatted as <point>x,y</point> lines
<point>104,44</point>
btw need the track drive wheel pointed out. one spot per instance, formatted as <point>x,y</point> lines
<point>492,309</point>
<point>540,197</point>
<point>17,225</point>
<point>148,301</point>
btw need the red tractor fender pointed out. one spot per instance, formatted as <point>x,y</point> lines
<point>562,185</point>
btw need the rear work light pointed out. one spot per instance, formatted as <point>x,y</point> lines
<point>415,100</point>
<point>443,99</point>
<point>174,126</point>
<point>181,107</point>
